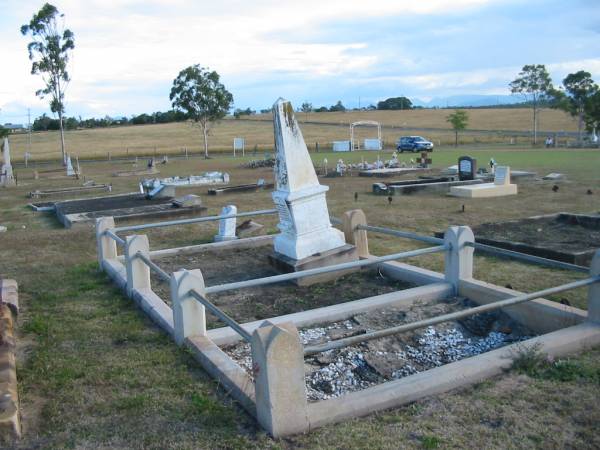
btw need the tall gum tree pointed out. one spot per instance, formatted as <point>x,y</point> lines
<point>198,92</point>
<point>535,85</point>
<point>580,90</point>
<point>49,50</point>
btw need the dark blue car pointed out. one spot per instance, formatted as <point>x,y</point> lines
<point>413,144</point>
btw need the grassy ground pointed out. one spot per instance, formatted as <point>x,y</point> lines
<point>94,372</point>
<point>258,131</point>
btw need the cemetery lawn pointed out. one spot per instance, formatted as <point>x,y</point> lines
<point>94,372</point>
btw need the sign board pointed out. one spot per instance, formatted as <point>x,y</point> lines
<point>341,146</point>
<point>372,144</point>
<point>467,168</point>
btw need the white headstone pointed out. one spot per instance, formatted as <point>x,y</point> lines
<point>300,199</point>
<point>502,175</point>
<point>227,226</point>
<point>70,171</point>
<point>238,144</point>
<point>6,173</point>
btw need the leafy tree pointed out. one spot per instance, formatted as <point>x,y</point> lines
<point>338,107</point>
<point>592,116</point>
<point>243,112</point>
<point>198,92</point>
<point>395,103</point>
<point>4,132</point>
<point>533,83</point>
<point>580,90</point>
<point>49,50</point>
<point>458,119</point>
<point>306,108</point>
<point>322,109</point>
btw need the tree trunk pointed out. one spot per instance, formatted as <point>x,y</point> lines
<point>580,126</point>
<point>456,138</point>
<point>535,112</point>
<point>205,135</point>
<point>62,138</point>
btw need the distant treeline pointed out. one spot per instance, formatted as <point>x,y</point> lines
<point>45,123</point>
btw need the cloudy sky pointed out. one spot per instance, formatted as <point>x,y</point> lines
<point>129,51</point>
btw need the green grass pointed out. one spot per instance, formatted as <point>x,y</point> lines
<point>94,372</point>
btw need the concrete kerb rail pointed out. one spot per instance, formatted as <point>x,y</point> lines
<point>275,393</point>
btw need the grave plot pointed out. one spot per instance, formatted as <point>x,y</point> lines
<point>572,238</point>
<point>336,372</point>
<point>262,302</point>
<point>120,207</point>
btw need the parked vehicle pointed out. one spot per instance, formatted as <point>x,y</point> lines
<point>413,144</point>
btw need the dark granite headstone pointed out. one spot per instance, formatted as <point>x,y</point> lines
<point>467,168</point>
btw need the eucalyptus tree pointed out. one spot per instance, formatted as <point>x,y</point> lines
<point>533,83</point>
<point>459,120</point>
<point>49,49</point>
<point>580,91</point>
<point>198,92</point>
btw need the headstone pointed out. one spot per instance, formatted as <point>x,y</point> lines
<point>227,226</point>
<point>70,170</point>
<point>304,223</point>
<point>502,175</point>
<point>6,173</point>
<point>340,167</point>
<point>467,168</point>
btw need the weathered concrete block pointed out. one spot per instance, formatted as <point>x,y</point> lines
<point>278,358</point>
<point>138,272</point>
<point>189,316</point>
<point>459,258</point>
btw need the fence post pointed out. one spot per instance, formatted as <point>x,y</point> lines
<point>594,290</point>
<point>106,246</point>
<point>459,258</point>
<point>138,273</point>
<point>358,238</point>
<point>278,364</point>
<point>189,316</point>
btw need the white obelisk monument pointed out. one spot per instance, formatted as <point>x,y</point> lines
<point>6,173</point>
<point>300,199</point>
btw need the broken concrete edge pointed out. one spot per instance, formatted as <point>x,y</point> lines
<point>450,376</point>
<point>10,425</point>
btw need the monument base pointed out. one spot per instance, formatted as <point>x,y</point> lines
<point>485,190</point>
<point>219,238</point>
<point>339,255</point>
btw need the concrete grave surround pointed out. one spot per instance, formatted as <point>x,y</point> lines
<point>275,392</point>
<point>6,173</point>
<point>499,188</point>
<point>227,226</point>
<point>303,214</point>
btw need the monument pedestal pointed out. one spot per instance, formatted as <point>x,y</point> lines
<point>343,254</point>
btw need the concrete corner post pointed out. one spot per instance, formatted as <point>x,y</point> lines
<point>358,238</point>
<point>138,272</point>
<point>106,246</point>
<point>459,258</point>
<point>594,290</point>
<point>189,317</point>
<point>278,363</point>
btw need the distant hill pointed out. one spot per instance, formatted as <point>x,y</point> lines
<point>469,100</point>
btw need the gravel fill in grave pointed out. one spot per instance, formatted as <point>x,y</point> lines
<point>336,372</point>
